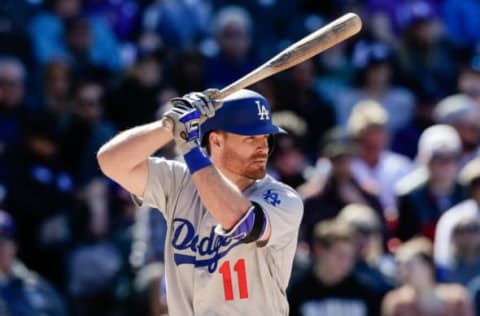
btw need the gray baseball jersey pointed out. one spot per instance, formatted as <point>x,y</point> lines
<point>208,274</point>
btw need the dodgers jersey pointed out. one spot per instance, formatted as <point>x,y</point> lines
<point>208,274</point>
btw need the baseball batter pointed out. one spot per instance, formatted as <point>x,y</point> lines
<point>232,229</point>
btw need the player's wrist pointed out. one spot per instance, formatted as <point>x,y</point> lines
<point>195,158</point>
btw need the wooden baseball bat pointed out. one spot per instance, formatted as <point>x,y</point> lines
<point>309,46</point>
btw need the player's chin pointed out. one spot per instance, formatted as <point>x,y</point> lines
<point>257,173</point>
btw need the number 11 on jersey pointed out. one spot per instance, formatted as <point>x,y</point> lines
<point>240,270</point>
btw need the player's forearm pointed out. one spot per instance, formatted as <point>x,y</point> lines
<point>223,199</point>
<point>127,150</point>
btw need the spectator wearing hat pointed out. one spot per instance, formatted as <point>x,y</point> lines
<point>373,266</point>
<point>233,27</point>
<point>339,188</point>
<point>463,113</point>
<point>419,293</point>
<point>22,291</point>
<point>425,194</point>
<point>375,167</point>
<point>373,62</point>
<point>470,177</point>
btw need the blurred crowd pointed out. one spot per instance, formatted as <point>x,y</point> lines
<point>383,146</point>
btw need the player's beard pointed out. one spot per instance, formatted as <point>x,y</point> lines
<point>249,167</point>
<point>255,170</point>
<point>255,173</point>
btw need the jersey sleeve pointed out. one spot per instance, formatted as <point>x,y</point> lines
<point>165,180</point>
<point>284,210</point>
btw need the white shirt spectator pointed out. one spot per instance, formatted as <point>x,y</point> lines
<point>442,251</point>
<point>383,177</point>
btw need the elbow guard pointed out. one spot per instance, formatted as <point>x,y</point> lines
<point>249,228</point>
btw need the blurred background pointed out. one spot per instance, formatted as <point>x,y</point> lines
<point>383,146</point>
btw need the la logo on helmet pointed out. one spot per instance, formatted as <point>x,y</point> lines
<point>263,113</point>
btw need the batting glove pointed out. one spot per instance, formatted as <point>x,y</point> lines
<point>202,101</point>
<point>186,122</point>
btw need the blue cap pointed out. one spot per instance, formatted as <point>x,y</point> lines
<point>244,112</point>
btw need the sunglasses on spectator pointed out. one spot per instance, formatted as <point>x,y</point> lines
<point>445,158</point>
<point>467,229</point>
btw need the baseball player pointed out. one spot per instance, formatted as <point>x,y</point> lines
<point>232,229</point>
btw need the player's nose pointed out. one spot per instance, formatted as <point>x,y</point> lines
<point>262,143</point>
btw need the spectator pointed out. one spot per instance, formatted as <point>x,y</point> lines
<point>48,29</point>
<point>276,22</point>
<point>84,133</point>
<point>465,245</point>
<point>421,202</point>
<point>92,290</point>
<point>297,94</point>
<point>419,294</point>
<point>57,89</point>
<point>12,78</point>
<point>374,81</point>
<point>288,160</point>
<point>179,24</point>
<point>374,266</point>
<point>376,168</point>
<point>141,86</point>
<point>405,140</point>
<point>463,113</point>
<point>469,177</point>
<point>44,217</point>
<point>188,72</point>
<point>469,78</point>
<point>232,29</point>
<point>12,108</point>
<point>329,288</point>
<point>14,39</point>
<point>338,189</point>
<point>386,19</point>
<point>103,240</point>
<point>22,291</point>
<point>427,63</point>
<point>78,45</point>
<point>336,73</point>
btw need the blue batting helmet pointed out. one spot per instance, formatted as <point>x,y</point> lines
<point>244,112</point>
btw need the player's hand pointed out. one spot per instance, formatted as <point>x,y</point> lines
<point>186,123</point>
<point>202,101</point>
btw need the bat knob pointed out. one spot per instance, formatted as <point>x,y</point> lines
<point>214,96</point>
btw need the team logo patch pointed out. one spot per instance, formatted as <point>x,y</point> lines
<point>263,113</point>
<point>271,198</point>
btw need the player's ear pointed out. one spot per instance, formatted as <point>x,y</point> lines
<point>215,139</point>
